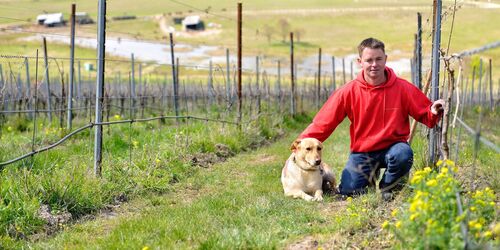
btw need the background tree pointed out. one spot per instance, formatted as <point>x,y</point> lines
<point>284,28</point>
<point>299,33</point>
<point>268,32</point>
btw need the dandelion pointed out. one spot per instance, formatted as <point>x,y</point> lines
<point>9,128</point>
<point>145,248</point>
<point>472,208</point>
<point>157,161</point>
<point>439,163</point>
<point>117,117</point>
<point>349,199</point>
<point>398,224</point>
<point>385,224</point>
<point>444,170</point>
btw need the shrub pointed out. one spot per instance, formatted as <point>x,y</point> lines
<point>431,219</point>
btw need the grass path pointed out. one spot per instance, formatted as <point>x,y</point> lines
<point>235,204</point>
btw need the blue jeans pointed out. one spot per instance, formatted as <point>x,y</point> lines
<point>363,169</point>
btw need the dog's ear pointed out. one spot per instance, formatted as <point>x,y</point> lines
<point>295,145</point>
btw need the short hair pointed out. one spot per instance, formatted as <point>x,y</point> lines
<point>371,43</point>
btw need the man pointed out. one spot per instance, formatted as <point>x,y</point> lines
<point>378,104</point>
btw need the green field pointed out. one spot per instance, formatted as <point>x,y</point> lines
<point>336,32</point>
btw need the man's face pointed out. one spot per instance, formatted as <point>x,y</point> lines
<point>372,61</point>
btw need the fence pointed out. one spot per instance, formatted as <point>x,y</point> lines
<point>204,92</point>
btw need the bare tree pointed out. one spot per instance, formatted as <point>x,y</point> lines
<point>268,32</point>
<point>285,28</point>
<point>299,33</point>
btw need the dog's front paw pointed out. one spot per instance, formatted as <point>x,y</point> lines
<point>318,198</point>
<point>309,198</point>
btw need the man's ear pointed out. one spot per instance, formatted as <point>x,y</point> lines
<point>359,61</point>
<point>295,145</point>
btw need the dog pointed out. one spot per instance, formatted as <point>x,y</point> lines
<point>304,174</point>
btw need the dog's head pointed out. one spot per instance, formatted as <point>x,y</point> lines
<point>307,153</point>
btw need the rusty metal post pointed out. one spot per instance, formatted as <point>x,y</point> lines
<point>239,64</point>
<point>293,104</point>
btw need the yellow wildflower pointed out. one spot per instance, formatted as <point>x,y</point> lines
<point>431,183</point>
<point>117,117</point>
<point>439,163</point>
<point>398,224</point>
<point>385,224</point>
<point>430,222</point>
<point>472,208</point>
<point>416,179</point>
<point>9,128</point>
<point>460,218</point>
<point>145,248</point>
<point>415,205</point>
<point>444,170</point>
<point>394,213</point>
<point>471,223</point>
<point>496,229</point>
<point>349,199</point>
<point>449,163</point>
<point>487,234</point>
<point>413,216</point>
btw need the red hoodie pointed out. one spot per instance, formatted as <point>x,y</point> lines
<point>379,114</point>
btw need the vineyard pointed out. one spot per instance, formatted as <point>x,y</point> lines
<point>185,150</point>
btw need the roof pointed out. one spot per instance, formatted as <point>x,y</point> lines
<point>49,16</point>
<point>191,20</point>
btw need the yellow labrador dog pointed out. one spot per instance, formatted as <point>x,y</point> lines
<point>304,174</point>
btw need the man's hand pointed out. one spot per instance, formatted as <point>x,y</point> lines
<point>437,107</point>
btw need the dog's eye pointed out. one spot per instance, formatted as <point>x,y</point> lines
<point>319,149</point>
<point>308,149</point>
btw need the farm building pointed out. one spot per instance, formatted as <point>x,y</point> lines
<point>193,23</point>
<point>51,20</point>
<point>83,18</point>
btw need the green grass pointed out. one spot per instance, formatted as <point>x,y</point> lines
<point>235,204</point>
